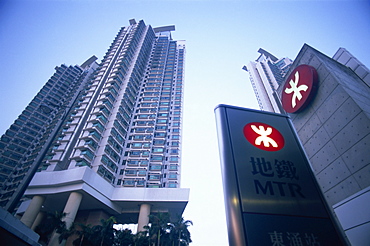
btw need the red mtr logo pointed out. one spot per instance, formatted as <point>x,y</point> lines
<point>299,88</point>
<point>263,136</point>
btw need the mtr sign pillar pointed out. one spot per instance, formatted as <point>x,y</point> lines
<point>271,196</point>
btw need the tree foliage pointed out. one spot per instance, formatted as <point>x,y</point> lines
<point>161,231</point>
<point>53,222</point>
<point>98,235</point>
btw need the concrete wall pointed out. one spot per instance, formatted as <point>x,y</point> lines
<point>356,224</point>
<point>343,56</point>
<point>335,128</point>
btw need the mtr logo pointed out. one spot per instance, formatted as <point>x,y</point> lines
<point>299,88</point>
<point>263,136</point>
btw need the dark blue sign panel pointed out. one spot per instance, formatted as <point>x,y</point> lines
<point>270,191</point>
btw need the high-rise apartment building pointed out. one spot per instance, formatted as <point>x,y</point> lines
<point>118,151</point>
<point>26,139</point>
<point>266,75</point>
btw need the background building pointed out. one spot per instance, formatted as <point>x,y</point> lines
<point>266,74</point>
<point>27,139</point>
<point>334,130</point>
<point>118,150</point>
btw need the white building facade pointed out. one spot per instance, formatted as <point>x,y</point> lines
<point>118,152</point>
<point>265,75</point>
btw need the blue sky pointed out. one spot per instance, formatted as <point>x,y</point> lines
<point>221,36</point>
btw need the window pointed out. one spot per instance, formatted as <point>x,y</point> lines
<point>110,164</point>
<point>137,145</point>
<point>138,137</point>
<point>142,172</point>
<point>128,182</point>
<point>105,173</point>
<point>111,153</point>
<point>161,127</point>
<point>132,162</point>
<point>130,172</point>
<point>174,151</point>
<point>87,153</point>
<point>174,158</point>
<point>154,177</point>
<point>144,163</point>
<point>102,118</point>
<point>117,135</point>
<point>135,153</point>
<point>155,167</point>
<point>172,176</point>
<point>173,167</point>
<point>160,135</point>
<point>158,150</point>
<point>139,129</point>
<point>159,142</point>
<point>154,186</point>
<point>91,143</point>
<point>82,163</point>
<point>156,158</point>
<point>145,153</point>
<point>95,134</point>
<point>161,121</point>
<point>114,144</point>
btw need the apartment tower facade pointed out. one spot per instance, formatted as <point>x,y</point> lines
<point>266,74</point>
<point>118,151</point>
<point>25,142</point>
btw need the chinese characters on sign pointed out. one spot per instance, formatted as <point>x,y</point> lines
<point>284,170</point>
<point>293,239</point>
<point>299,89</point>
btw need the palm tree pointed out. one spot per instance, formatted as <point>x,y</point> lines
<point>159,226</point>
<point>141,238</point>
<point>84,234</point>
<point>66,233</point>
<point>52,222</point>
<point>123,238</point>
<point>98,235</point>
<point>180,232</point>
<point>106,231</point>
